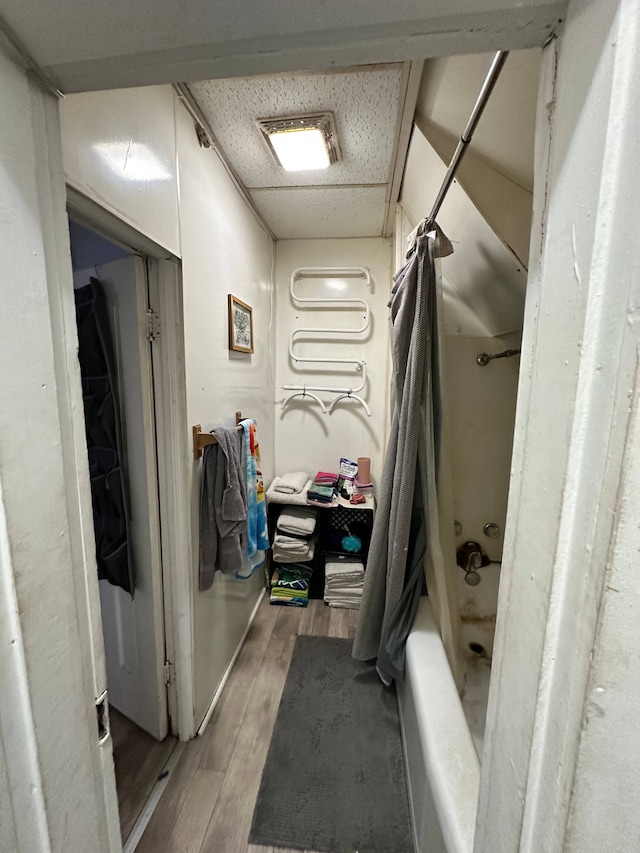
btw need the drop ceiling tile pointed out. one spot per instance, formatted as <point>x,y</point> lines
<point>364,103</point>
<point>323,212</point>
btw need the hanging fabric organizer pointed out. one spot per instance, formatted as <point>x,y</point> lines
<point>360,366</point>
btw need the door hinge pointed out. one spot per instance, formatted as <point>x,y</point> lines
<point>169,673</point>
<point>102,713</point>
<point>153,324</point>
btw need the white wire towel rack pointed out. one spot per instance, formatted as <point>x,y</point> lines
<point>360,366</point>
<point>305,393</point>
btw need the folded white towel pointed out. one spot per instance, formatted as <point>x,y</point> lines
<point>299,522</point>
<point>347,604</point>
<point>291,484</point>
<point>286,555</point>
<point>346,572</point>
<point>343,571</point>
<point>345,564</point>
<point>286,543</point>
<point>344,582</point>
<point>276,497</point>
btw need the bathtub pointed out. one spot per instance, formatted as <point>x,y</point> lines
<point>441,758</point>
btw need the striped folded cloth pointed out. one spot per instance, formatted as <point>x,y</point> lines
<point>322,494</point>
<point>292,576</point>
<point>282,595</point>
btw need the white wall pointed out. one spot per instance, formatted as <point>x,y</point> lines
<point>504,135</point>
<point>497,169</point>
<point>482,408</point>
<point>560,768</point>
<point>57,781</point>
<point>306,439</point>
<point>224,250</point>
<point>185,201</point>
<point>505,205</point>
<point>97,132</point>
<point>482,275</point>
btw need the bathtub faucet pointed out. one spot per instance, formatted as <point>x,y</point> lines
<point>470,557</point>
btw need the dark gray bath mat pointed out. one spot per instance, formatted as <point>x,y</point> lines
<point>334,776</point>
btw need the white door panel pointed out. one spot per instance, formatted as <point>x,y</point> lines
<point>133,627</point>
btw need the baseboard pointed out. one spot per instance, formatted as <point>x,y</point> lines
<point>227,672</point>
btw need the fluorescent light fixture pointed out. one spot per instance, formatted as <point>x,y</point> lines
<point>300,149</point>
<point>133,161</point>
<point>302,143</point>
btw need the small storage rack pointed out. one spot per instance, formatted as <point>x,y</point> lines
<point>332,525</point>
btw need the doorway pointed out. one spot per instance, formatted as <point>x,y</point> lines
<point>116,331</point>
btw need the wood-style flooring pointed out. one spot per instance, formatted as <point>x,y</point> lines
<point>139,760</point>
<point>208,804</point>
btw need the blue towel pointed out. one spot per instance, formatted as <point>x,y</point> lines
<point>257,533</point>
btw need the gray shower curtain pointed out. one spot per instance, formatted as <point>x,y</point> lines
<point>406,509</point>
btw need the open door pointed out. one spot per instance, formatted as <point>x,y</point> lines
<point>134,626</point>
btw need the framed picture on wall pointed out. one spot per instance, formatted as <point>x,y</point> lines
<point>240,325</point>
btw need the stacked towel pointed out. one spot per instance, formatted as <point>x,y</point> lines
<point>291,484</point>
<point>294,541</point>
<point>323,495</point>
<point>322,491</point>
<point>363,488</point>
<point>288,550</point>
<point>325,478</point>
<point>297,523</point>
<point>290,585</point>
<point>344,580</point>
<point>276,497</point>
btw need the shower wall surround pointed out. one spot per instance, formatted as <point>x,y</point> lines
<point>482,308</point>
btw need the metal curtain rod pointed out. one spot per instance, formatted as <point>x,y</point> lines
<point>486,90</point>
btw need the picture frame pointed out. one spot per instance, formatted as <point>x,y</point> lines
<point>240,325</point>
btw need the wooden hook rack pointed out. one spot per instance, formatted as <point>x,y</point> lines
<point>202,439</point>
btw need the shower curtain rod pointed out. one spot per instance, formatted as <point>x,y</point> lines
<point>485,92</point>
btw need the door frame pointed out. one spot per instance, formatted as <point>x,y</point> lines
<point>172,448</point>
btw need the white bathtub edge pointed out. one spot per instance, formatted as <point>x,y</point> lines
<point>437,744</point>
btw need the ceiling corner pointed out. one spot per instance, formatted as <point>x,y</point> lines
<point>410,88</point>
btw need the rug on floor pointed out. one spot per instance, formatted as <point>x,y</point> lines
<point>334,775</point>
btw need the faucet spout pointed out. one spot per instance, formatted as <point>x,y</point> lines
<point>474,561</point>
<point>471,557</point>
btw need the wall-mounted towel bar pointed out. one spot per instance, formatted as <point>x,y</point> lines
<point>304,393</point>
<point>328,302</point>
<point>349,395</point>
<point>334,303</point>
<point>202,439</point>
<point>361,366</point>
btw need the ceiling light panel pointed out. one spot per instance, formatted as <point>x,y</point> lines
<point>364,103</point>
<point>300,150</point>
<point>302,143</point>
